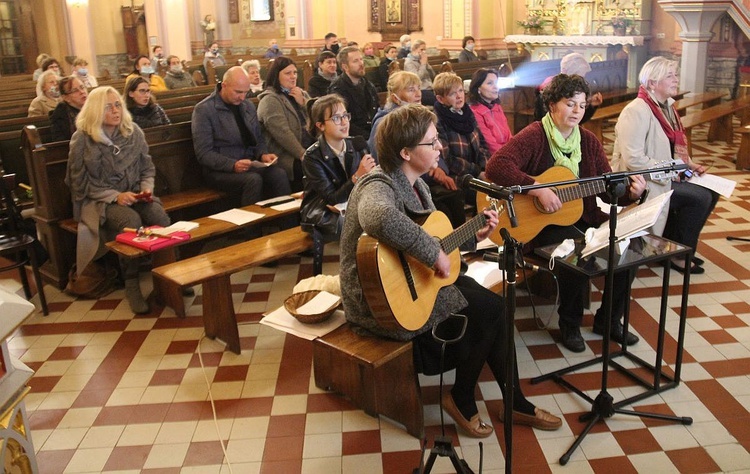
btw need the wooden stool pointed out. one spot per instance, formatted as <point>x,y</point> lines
<point>743,154</point>
<point>376,374</point>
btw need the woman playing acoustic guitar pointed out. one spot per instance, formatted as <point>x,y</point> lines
<point>557,140</point>
<point>383,204</point>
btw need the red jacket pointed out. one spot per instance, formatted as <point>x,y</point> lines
<point>493,125</point>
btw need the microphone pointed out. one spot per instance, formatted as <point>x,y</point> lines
<point>467,181</point>
<point>493,190</point>
<point>360,144</point>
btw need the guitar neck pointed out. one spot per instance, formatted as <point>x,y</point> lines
<point>453,240</point>
<point>590,188</point>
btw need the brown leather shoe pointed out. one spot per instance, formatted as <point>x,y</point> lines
<point>541,420</point>
<point>476,428</point>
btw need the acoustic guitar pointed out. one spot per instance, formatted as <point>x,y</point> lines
<point>399,289</point>
<point>532,217</point>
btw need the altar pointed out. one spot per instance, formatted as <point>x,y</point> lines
<point>594,48</point>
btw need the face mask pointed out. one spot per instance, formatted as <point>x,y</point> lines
<point>53,92</point>
<point>275,47</point>
<point>82,71</point>
<point>214,51</point>
<point>470,46</point>
<point>147,70</point>
<point>335,48</point>
<point>160,55</point>
<point>176,69</point>
<point>408,44</point>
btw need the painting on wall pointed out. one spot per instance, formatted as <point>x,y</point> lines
<point>393,11</point>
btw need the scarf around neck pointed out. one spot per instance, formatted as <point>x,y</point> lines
<point>677,137</point>
<point>565,151</point>
<point>463,123</point>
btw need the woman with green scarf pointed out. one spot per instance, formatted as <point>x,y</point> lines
<point>558,140</point>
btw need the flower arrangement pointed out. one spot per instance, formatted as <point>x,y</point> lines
<point>620,22</point>
<point>532,22</point>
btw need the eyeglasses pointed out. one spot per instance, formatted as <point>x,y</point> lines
<point>143,91</point>
<point>109,107</point>
<point>435,144</point>
<point>73,90</point>
<point>338,118</point>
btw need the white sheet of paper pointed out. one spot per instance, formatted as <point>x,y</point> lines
<point>288,205</point>
<point>260,164</point>
<point>629,223</point>
<point>486,244</point>
<point>485,273</point>
<point>283,321</point>
<point>320,303</point>
<point>180,226</point>
<point>273,200</point>
<point>237,216</point>
<point>723,186</point>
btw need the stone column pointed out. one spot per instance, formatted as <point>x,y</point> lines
<point>696,21</point>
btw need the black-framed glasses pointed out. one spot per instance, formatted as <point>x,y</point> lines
<point>435,144</point>
<point>73,90</point>
<point>338,118</point>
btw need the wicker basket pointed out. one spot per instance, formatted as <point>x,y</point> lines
<point>298,299</point>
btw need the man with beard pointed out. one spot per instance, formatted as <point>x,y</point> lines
<point>360,94</point>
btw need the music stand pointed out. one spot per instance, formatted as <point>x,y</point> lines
<point>603,405</point>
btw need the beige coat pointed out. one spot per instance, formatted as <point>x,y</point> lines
<point>41,106</point>
<point>640,143</point>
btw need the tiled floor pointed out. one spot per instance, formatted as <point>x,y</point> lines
<point>114,392</point>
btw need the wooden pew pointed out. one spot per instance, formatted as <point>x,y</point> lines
<point>603,114</point>
<point>720,119</point>
<point>214,269</point>
<point>179,183</point>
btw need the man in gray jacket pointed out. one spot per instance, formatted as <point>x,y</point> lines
<point>229,145</point>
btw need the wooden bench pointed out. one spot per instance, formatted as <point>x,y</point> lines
<point>213,271</point>
<point>178,183</point>
<point>609,112</point>
<point>720,119</point>
<point>377,375</point>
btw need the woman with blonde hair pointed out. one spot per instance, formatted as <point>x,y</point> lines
<point>111,178</point>
<point>403,89</point>
<point>252,68</point>
<point>368,55</point>
<point>47,95</point>
<point>648,132</point>
<point>81,71</point>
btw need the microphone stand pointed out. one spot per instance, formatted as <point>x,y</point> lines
<point>508,267</point>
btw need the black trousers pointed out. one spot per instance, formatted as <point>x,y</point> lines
<point>482,343</point>
<point>689,208</point>
<point>574,285</point>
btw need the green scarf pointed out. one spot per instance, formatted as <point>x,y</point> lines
<point>560,146</point>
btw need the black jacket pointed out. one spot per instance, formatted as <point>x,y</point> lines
<point>63,122</point>
<point>327,182</point>
<point>318,85</point>
<point>150,116</point>
<point>361,102</point>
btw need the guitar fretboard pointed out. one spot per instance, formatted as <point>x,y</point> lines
<point>453,240</point>
<point>579,191</point>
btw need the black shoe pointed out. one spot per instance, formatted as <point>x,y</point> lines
<point>571,337</point>
<point>697,260</point>
<point>616,333</point>
<point>695,269</point>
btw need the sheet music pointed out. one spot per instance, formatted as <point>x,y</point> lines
<point>629,222</point>
<point>717,184</point>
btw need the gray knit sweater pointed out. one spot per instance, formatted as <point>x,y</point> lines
<point>383,205</point>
